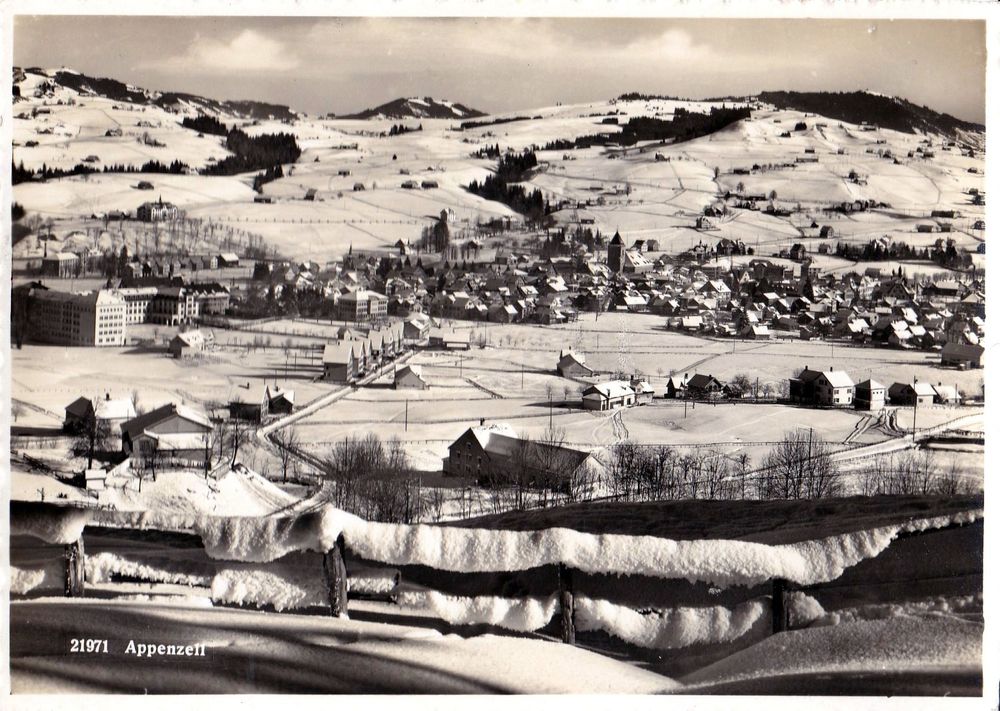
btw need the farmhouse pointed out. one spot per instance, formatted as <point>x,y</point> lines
<point>818,388</point>
<point>609,395</point>
<point>449,339</point>
<point>910,394</point>
<point>946,395</point>
<point>676,386</point>
<point>342,362</point>
<point>109,413</point>
<point>644,392</point>
<point>185,345</point>
<point>171,433</point>
<point>962,355</point>
<point>704,386</point>
<point>869,395</point>
<point>248,406</point>
<point>410,376</point>
<point>279,400</point>
<point>494,454</point>
<point>572,365</point>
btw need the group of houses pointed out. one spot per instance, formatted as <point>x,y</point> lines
<point>67,264</point>
<point>171,434</point>
<point>835,388</point>
<point>820,388</point>
<point>358,352</point>
<point>755,299</point>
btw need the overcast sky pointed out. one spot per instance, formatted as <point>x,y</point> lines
<point>324,65</point>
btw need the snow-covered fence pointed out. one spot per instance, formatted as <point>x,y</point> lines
<point>253,556</point>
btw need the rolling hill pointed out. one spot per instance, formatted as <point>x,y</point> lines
<point>415,107</point>
<point>169,100</point>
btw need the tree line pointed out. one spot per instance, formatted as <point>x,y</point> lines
<point>685,126</point>
<point>261,152</point>
<point>501,186</point>
<point>20,174</point>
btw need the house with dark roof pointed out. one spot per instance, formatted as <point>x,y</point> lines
<point>962,355</point>
<point>573,365</point>
<point>704,387</point>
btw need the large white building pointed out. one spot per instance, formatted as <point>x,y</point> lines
<point>93,318</point>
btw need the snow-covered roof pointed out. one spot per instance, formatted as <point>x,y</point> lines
<point>483,433</point>
<point>610,389</point>
<point>838,378</point>
<point>175,441</point>
<point>116,409</point>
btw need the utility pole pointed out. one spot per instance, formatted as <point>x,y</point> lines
<point>915,400</point>
<point>406,417</point>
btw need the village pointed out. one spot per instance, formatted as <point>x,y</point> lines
<point>405,320</point>
<point>586,365</point>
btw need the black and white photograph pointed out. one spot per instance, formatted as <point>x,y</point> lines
<point>559,353</point>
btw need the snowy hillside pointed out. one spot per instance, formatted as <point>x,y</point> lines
<point>800,161</point>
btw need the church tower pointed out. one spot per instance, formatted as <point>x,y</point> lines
<point>616,253</point>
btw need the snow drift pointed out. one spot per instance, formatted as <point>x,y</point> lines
<point>672,628</point>
<point>719,562</point>
<point>52,524</point>
<point>525,614</point>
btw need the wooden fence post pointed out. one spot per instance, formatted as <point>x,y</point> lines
<point>335,572</point>
<point>779,612</point>
<point>74,558</point>
<point>566,604</point>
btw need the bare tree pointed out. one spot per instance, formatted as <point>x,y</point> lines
<point>800,468</point>
<point>93,437</point>
<point>287,441</point>
<point>16,409</point>
<point>238,434</point>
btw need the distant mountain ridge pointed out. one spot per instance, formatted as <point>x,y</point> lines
<point>862,106</point>
<point>856,107</point>
<point>119,91</point>
<point>415,107</point>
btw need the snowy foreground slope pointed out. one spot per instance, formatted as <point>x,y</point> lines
<point>267,653</point>
<point>159,569</point>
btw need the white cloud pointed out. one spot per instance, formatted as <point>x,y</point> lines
<point>247,51</point>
